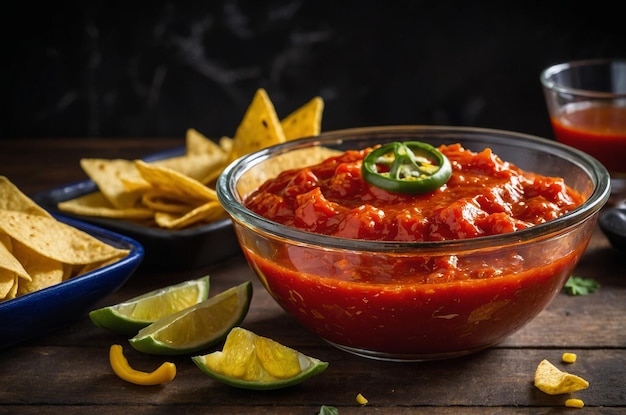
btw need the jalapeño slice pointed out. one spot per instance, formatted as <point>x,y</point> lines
<point>406,167</point>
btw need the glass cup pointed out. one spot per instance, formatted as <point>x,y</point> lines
<point>586,103</point>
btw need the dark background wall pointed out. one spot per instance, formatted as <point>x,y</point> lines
<point>126,68</point>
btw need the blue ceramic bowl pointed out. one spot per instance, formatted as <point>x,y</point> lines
<point>40,312</point>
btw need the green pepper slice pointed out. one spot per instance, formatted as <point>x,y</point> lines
<point>406,167</point>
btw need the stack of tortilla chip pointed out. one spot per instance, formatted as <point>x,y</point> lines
<point>38,251</point>
<point>175,193</point>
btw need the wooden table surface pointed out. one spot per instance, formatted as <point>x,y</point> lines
<point>68,370</point>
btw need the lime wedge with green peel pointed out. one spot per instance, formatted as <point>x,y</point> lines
<point>132,315</point>
<point>250,361</point>
<point>197,327</point>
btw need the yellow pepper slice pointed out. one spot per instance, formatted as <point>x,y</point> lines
<point>164,373</point>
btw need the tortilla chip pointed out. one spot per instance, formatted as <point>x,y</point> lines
<point>8,261</point>
<point>44,272</point>
<point>9,278</point>
<point>226,144</point>
<point>260,127</point>
<point>203,151</point>
<point>553,381</point>
<point>199,144</point>
<point>207,212</point>
<point>160,201</point>
<point>136,185</point>
<point>196,166</point>
<point>306,121</point>
<point>107,175</point>
<point>175,183</point>
<point>12,198</point>
<point>56,240</point>
<point>8,284</point>
<point>95,204</point>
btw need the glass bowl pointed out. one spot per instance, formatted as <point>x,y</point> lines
<point>393,319</point>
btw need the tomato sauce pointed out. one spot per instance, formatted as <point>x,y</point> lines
<point>597,130</point>
<point>426,304</point>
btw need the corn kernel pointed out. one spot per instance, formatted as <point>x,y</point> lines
<point>361,400</point>
<point>569,357</point>
<point>574,403</point>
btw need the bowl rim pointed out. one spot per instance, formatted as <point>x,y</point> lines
<point>546,78</point>
<point>226,192</point>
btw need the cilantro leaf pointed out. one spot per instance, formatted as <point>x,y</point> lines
<point>328,410</point>
<point>581,286</point>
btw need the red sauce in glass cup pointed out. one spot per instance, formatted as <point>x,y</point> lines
<point>413,303</point>
<point>597,130</point>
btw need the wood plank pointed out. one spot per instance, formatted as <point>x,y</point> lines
<point>294,410</point>
<point>499,377</point>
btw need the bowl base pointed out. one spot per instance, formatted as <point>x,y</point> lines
<point>406,357</point>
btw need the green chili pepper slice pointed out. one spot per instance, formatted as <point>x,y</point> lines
<point>406,167</point>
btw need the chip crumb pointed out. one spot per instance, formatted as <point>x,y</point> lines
<point>569,357</point>
<point>574,403</point>
<point>361,399</point>
<point>553,381</point>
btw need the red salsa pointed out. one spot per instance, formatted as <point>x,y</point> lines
<point>428,304</point>
<point>484,196</point>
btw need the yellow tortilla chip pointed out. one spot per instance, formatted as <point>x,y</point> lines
<point>8,284</point>
<point>12,198</point>
<point>44,272</point>
<point>7,280</point>
<point>175,183</point>
<point>107,175</point>
<point>136,185</point>
<point>306,121</point>
<point>553,381</point>
<point>195,166</point>
<point>198,144</point>
<point>226,144</point>
<point>207,212</point>
<point>8,261</point>
<point>202,151</point>
<point>55,239</point>
<point>95,204</point>
<point>160,201</point>
<point>10,270</point>
<point>259,128</point>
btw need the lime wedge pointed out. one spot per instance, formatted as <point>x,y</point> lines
<point>132,315</point>
<point>198,326</point>
<point>250,361</point>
